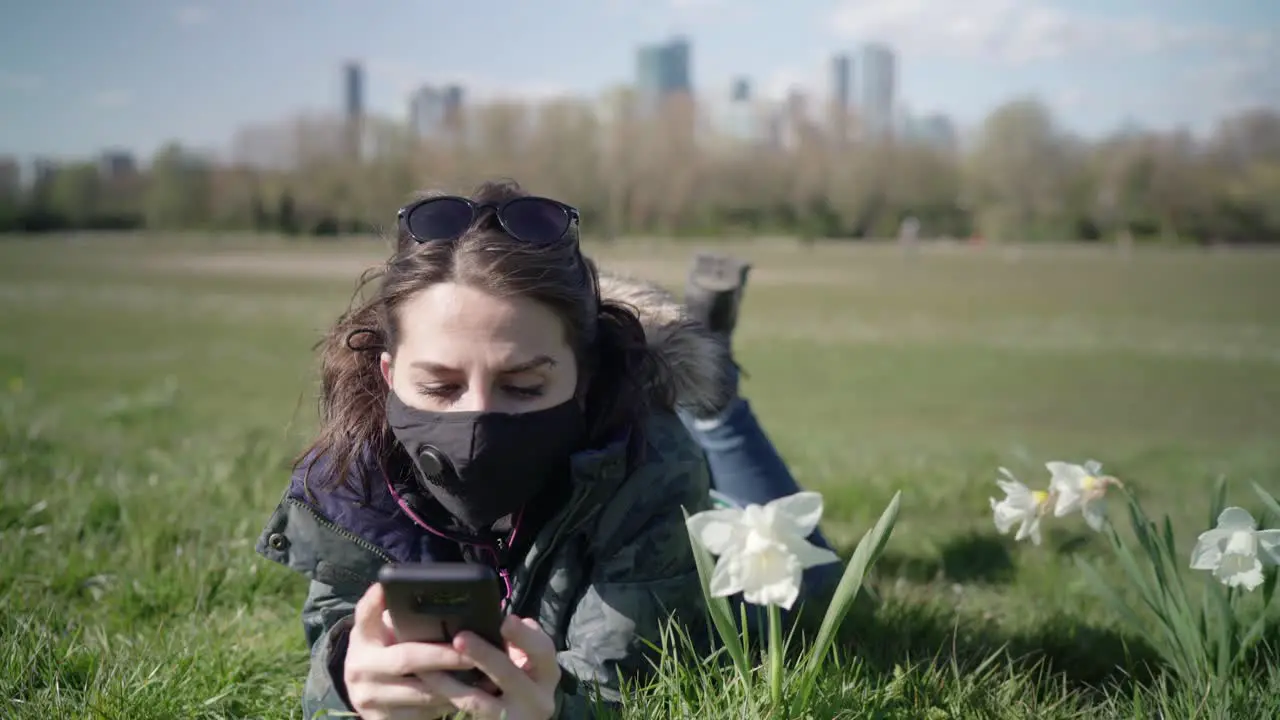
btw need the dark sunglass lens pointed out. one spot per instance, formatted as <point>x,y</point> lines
<point>442,219</point>
<point>535,220</point>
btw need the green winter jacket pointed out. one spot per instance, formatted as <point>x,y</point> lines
<point>602,576</point>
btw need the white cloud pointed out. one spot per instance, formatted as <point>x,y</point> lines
<point>720,11</point>
<point>191,15</point>
<point>1231,83</point>
<point>694,5</point>
<point>111,99</point>
<point>1070,99</point>
<point>1012,31</point>
<point>20,82</point>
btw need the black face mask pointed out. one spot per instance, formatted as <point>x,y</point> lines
<point>483,466</point>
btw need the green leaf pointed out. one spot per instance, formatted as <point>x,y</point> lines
<point>718,607</point>
<point>1218,502</point>
<point>1109,595</point>
<point>1255,632</point>
<point>1177,638</point>
<point>1226,627</point>
<point>864,557</point>
<point>1269,500</point>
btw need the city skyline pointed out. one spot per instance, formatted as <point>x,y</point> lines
<point>1165,65</point>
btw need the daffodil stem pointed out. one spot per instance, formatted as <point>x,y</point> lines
<point>775,654</point>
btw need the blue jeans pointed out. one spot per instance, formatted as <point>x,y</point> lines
<point>747,469</point>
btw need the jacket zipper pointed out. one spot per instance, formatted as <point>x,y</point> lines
<point>382,554</point>
<point>531,571</point>
<point>499,553</point>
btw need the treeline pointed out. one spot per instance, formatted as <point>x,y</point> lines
<point>1020,178</point>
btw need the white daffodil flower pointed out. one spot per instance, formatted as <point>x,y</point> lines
<point>1235,550</point>
<point>1080,487</point>
<point>762,550</point>
<point>1020,505</point>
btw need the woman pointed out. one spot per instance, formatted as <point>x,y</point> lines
<point>557,396</point>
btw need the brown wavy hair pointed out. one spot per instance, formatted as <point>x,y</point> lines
<point>615,365</point>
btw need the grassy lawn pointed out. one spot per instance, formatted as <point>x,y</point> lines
<point>152,394</point>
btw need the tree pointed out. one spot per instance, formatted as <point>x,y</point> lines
<point>178,190</point>
<point>76,194</point>
<point>1017,172</point>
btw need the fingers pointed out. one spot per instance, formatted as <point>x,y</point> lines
<point>496,664</point>
<point>532,687</point>
<point>468,699</point>
<point>527,636</point>
<point>404,659</point>
<point>369,627</point>
<point>391,694</point>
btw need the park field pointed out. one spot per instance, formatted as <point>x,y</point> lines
<point>153,392</point>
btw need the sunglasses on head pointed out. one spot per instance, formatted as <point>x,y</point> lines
<point>535,220</point>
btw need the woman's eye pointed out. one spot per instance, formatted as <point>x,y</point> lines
<point>525,392</point>
<point>438,391</point>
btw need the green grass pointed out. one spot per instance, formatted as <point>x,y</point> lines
<point>152,394</point>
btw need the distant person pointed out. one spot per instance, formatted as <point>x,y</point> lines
<point>908,233</point>
<point>580,412</point>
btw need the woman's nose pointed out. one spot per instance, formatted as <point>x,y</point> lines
<point>478,399</point>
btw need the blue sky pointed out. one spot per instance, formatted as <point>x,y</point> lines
<point>79,76</point>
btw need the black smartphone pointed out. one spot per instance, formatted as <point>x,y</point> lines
<point>433,602</point>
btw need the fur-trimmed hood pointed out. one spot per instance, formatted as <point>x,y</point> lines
<point>693,362</point>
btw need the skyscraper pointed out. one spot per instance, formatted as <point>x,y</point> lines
<point>876,88</point>
<point>738,117</point>
<point>353,109</point>
<point>841,96</point>
<point>842,82</point>
<point>662,70</point>
<point>116,164</point>
<point>353,91</point>
<point>435,110</point>
<point>453,95</point>
<point>426,111</point>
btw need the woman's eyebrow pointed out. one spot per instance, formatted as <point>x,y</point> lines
<point>531,364</point>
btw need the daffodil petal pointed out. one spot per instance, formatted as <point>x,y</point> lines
<point>1002,523</point>
<point>1207,554</point>
<point>1064,472</point>
<point>1003,515</point>
<point>800,512</point>
<point>1014,489</point>
<point>1236,518</point>
<point>1093,467</point>
<point>781,591</point>
<point>1094,514</point>
<point>1269,543</point>
<point>1248,579</point>
<point>1068,500</point>
<point>1030,528</point>
<point>717,530</point>
<point>726,579</point>
<point>809,554</point>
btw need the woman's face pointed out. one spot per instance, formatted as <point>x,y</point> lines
<point>462,350</point>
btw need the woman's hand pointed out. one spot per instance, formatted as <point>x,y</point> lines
<point>386,680</point>
<point>526,674</point>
